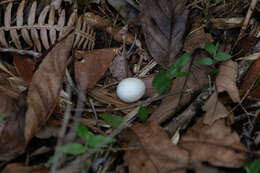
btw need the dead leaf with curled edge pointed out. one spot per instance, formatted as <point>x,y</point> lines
<point>15,167</point>
<point>226,80</point>
<point>156,152</point>
<point>45,86</point>
<point>214,110</point>
<point>215,144</point>
<point>163,24</point>
<point>90,66</point>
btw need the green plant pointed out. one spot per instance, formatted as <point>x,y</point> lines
<point>212,49</point>
<point>112,120</point>
<point>142,113</point>
<point>162,80</point>
<point>253,167</point>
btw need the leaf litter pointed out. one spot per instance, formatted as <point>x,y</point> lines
<point>34,83</point>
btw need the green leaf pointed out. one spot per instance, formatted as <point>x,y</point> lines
<point>211,48</point>
<point>204,61</point>
<point>98,139</point>
<point>253,167</point>
<point>143,113</point>
<point>50,161</point>
<point>161,81</point>
<point>222,56</point>
<point>2,117</point>
<point>178,64</point>
<point>72,148</point>
<point>83,132</point>
<point>181,74</point>
<point>112,120</point>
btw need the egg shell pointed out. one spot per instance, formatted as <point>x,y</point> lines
<point>130,89</point>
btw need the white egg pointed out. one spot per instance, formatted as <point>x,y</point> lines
<point>130,89</point>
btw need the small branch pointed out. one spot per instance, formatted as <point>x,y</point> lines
<point>21,52</point>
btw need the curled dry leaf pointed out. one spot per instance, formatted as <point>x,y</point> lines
<point>163,24</point>
<point>45,86</point>
<point>119,67</point>
<point>250,78</point>
<point>227,23</point>
<point>192,84</point>
<point>216,144</point>
<point>156,152</point>
<point>226,80</point>
<point>214,110</point>
<point>12,127</point>
<point>15,167</point>
<point>90,66</point>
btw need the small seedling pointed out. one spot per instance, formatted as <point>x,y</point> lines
<point>162,80</point>
<point>212,49</point>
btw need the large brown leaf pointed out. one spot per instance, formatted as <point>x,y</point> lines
<point>163,24</point>
<point>12,128</point>
<point>192,83</point>
<point>15,167</point>
<point>216,144</point>
<point>156,154</point>
<point>45,86</point>
<point>90,66</point>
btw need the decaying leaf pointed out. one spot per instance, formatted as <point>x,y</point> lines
<point>25,67</point>
<point>163,24</point>
<point>119,67</point>
<point>130,9</point>
<point>250,78</point>
<point>15,167</point>
<point>226,80</point>
<point>45,86</point>
<point>197,38</point>
<point>214,110</point>
<point>90,66</point>
<point>156,152</point>
<point>193,83</point>
<point>227,23</point>
<point>215,144</point>
<point>12,126</point>
<point>31,28</point>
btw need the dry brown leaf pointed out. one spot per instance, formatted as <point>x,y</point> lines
<point>119,67</point>
<point>197,38</point>
<point>149,89</point>
<point>45,86</point>
<point>25,67</point>
<point>90,66</point>
<point>227,23</point>
<point>250,78</point>
<point>163,24</point>
<point>12,127</point>
<point>15,168</point>
<point>193,83</point>
<point>214,110</point>
<point>156,154</point>
<point>216,144</point>
<point>226,80</point>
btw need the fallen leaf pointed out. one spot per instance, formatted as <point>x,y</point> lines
<point>45,87</point>
<point>193,83</point>
<point>149,89</point>
<point>250,78</point>
<point>90,66</point>
<point>226,80</point>
<point>197,38</point>
<point>163,24</point>
<point>15,167</point>
<point>156,152</point>
<point>216,144</point>
<point>214,110</point>
<point>119,67</point>
<point>129,11</point>
<point>12,127</point>
<point>245,45</point>
<point>227,23</point>
<point>25,66</point>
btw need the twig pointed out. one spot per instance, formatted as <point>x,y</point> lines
<point>21,52</point>
<point>94,110</point>
<point>65,122</point>
<point>149,100</point>
<point>247,18</point>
